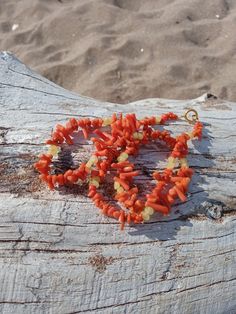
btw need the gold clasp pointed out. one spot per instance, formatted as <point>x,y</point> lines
<point>191,115</point>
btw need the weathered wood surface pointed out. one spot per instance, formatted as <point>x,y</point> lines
<point>59,255</point>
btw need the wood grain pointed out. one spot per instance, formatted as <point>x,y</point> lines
<point>59,255</point>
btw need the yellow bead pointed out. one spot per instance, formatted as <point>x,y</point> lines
<point>89,164</point>
<point>120,190</point>
<point>91,161</point>
<point>123,157</point>
<point>191,135</point>
<point>184,162</point>
<point>94,182</point>
<point>149,210</point>
<point>171,163</point>
<point>171,159</point>
<point>116,185</point>
<point>140,136</point>
<point>53,150</point>
<point>145,216</point>
<point>94,159</point>
<point>106,121</point>
<point>158,120</point>
<point>96,179</point>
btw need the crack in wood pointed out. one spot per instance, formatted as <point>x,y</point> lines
<point>44,81</point>
<point>28,302</point>
<point>222,253</point>
<point>107,307</point>
<point>215,237</point>
<point>206,285</point>
<point>45,250</point>
<point>24,241</point>
<point>40,91</point>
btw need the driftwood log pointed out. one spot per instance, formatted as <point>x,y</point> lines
<point>59,255</point>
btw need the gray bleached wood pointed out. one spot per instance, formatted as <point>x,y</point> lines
<point>59,255</point>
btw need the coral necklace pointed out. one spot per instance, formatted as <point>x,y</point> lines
<point>113,147</point>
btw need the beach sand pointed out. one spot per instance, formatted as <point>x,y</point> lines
<point>126,50</point>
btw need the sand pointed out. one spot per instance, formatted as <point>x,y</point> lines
<point>126,50</point>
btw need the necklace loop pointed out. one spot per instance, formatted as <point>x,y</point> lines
<point>123,137</point>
